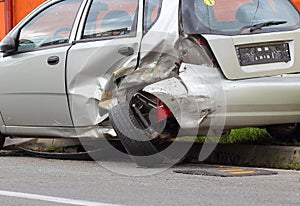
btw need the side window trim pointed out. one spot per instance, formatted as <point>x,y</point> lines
<point>145,30</point>
<point>77,21</point>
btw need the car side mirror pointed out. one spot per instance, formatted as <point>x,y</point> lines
<point>8,45</point>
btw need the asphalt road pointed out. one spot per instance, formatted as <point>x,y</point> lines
<point>35,181</point>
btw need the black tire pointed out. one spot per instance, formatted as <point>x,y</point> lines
<point>2,140</point>
<point>135,140</point>
<point>286,132</point>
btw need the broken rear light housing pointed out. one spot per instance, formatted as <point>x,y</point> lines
<point>162,111</point>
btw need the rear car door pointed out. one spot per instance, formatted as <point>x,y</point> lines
<point>32,91</point>
<point>109,36</point>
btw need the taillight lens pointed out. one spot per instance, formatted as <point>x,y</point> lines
<point>205,45</point>
<point>163,112</point>
<point>195,50</point>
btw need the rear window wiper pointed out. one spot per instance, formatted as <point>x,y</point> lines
<point>265,24</point>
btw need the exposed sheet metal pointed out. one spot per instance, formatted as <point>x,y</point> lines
<point>192,88</point>
<point>155,65</point>
<point>192,95</point>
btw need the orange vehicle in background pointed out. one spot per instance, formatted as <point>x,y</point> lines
<point>2,20</point>
<point>297,4</point>
<point>13,11</point>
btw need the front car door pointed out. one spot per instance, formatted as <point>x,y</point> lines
<point>32,91</point>
<point>108,37</point>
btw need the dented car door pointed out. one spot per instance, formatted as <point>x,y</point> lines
<point>108,38</point>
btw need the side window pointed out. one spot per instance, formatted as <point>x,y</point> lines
<point>151,13</point>
<point>107,18</point>
<point>50,27</point>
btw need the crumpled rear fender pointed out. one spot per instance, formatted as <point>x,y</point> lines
<point>192,96</point>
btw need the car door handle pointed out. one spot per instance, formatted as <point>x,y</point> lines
<point>126,51</point>
<point>53,60</point>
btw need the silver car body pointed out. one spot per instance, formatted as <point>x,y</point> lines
<point>38,99</point>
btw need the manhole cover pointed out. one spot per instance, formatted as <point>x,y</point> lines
<point>226,172</point>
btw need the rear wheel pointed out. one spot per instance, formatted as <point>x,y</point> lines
<point>143,128</point>
<point>285,132</point>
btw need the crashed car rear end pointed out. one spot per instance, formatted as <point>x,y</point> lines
<point>149,71</point>
<point>209,68</point>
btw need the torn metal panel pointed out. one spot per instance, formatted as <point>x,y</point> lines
<point>191,96</point>
<point>155,65</point>
<point>111,84</point>
<point>176,96</point>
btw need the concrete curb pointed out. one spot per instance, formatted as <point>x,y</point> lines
<point>249,155</point>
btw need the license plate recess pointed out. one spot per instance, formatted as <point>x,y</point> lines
<point>263,54</point>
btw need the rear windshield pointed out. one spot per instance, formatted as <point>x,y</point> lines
<point>232,17</point>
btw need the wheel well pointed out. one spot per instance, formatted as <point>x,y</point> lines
<point>156,112</point>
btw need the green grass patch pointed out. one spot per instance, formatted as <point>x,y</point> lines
<point>244,136</point>
<point>292,166</point>
<point>248,136</point>
<point>240,136</point>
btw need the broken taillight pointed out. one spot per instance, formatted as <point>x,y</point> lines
<point>205,45</point>
<point>163,112</point>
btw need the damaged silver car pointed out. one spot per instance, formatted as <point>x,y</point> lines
<point>153,69</point>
